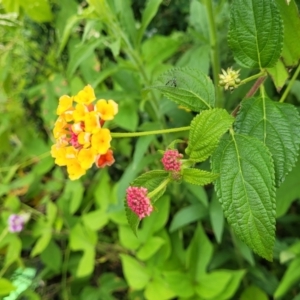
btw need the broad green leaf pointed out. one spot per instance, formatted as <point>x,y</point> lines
<point>157,288</point>
<point>150,247</point>
<point>51,211</point>
<point>6,287</point>
<point>279,74</point>
<point>197,176</point>
<point>13,250</point>
<point>198,254</point>
<point>37,10</point>
<point>180,283</point>
<point>95,219</point>
<point>187,87</point>
<point>216,218</point>
<point>245,251</point>
<point>52,256</point>
<point>127,238</point>
<point>206,130</point>
<point>150,180</point>
<point>73,193</point>
<point>291,21</point>
<point>289,191</point>
<point>83,238</point>
<point>254,292</point>
<point>290,277</point>
<point>255,33</point>
<point>212,285</point>
<point>232,286</point>
<point>147,15</point>
<point>187,215</point>
<point>127,19</point>
<point>80,53</point>
<point>277,125</point>
<point>11,5</point>
<point>42,242</point>
<point>246,190</point>
<point>135,273</point>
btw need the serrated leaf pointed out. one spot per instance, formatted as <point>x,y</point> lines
<point>149,180</point>
<point>206,131</point>
<point>255,33</point>
<point>198,177</point>
<point>291,21</point>
<point>277,125</point>
<point>187,87</point>
<point>246,190</point>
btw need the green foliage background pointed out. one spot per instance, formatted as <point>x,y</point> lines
<point>78,244</point>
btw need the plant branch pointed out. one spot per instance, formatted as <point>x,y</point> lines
<point>144,133</point>
<point>215,56</point>
<point>291,82</point>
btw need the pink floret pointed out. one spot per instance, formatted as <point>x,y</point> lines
<point>138,201</point>
<point>171,160</point>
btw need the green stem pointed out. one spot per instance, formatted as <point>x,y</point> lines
<point>288,88</point>
<point>144,133</point>
<point>260,74</point>
<point>159,188</point>
<point>215,56</point>
<point>64,275</point>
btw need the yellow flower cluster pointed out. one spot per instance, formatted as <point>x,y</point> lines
<point>80,137</point>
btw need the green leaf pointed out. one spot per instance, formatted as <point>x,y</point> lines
<point>254,292</point>
<point>51,212</point>
<point>198,177</point>
<point>206,131</point>
<point>188,215</point>
<point>157,288</point>
<point>148,14</point>
<point>187,87</point>
<point>232,286</point>
<point>11,5</point>
<point>83,238</point>
<point>39,11</point>
<point>42,242</point>
<point>13,250</point>
<point>216,218</point>
<point>290,277</point>
<point>150,181</point>
<point>136,274</point>
<point>95,220</point>
<point>150,247</point>
<point>291,21</point>
<point>199,253</point>
<point>277,126</point>
<point>6,287</point>
<point>289,191</point>
<point>52,256</point>
<point>279,74</point>
<point>246,190</point>
<point>255,33</point>
<point>73,193</point>
<point>212,285</point>
<point>180,283</point>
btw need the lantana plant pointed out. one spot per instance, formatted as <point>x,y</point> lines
<point>251,149</point>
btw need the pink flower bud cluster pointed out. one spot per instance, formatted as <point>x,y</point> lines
<point>138,201</point>
<point>171,160</point>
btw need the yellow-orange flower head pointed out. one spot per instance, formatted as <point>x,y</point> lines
<point>81,140</point>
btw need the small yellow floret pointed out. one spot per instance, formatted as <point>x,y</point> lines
<point>65,103</point>
<point>107,109</point>
<point>80,112</point>
<point>74,169</point>
<point>84,139</point>
<point>86,158</point>
<point>92,122</point>
<point>71,152</point>
<point>59,127</point>
<point>101,141</point>
<point>85,96</point>
<point>59,153</point>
